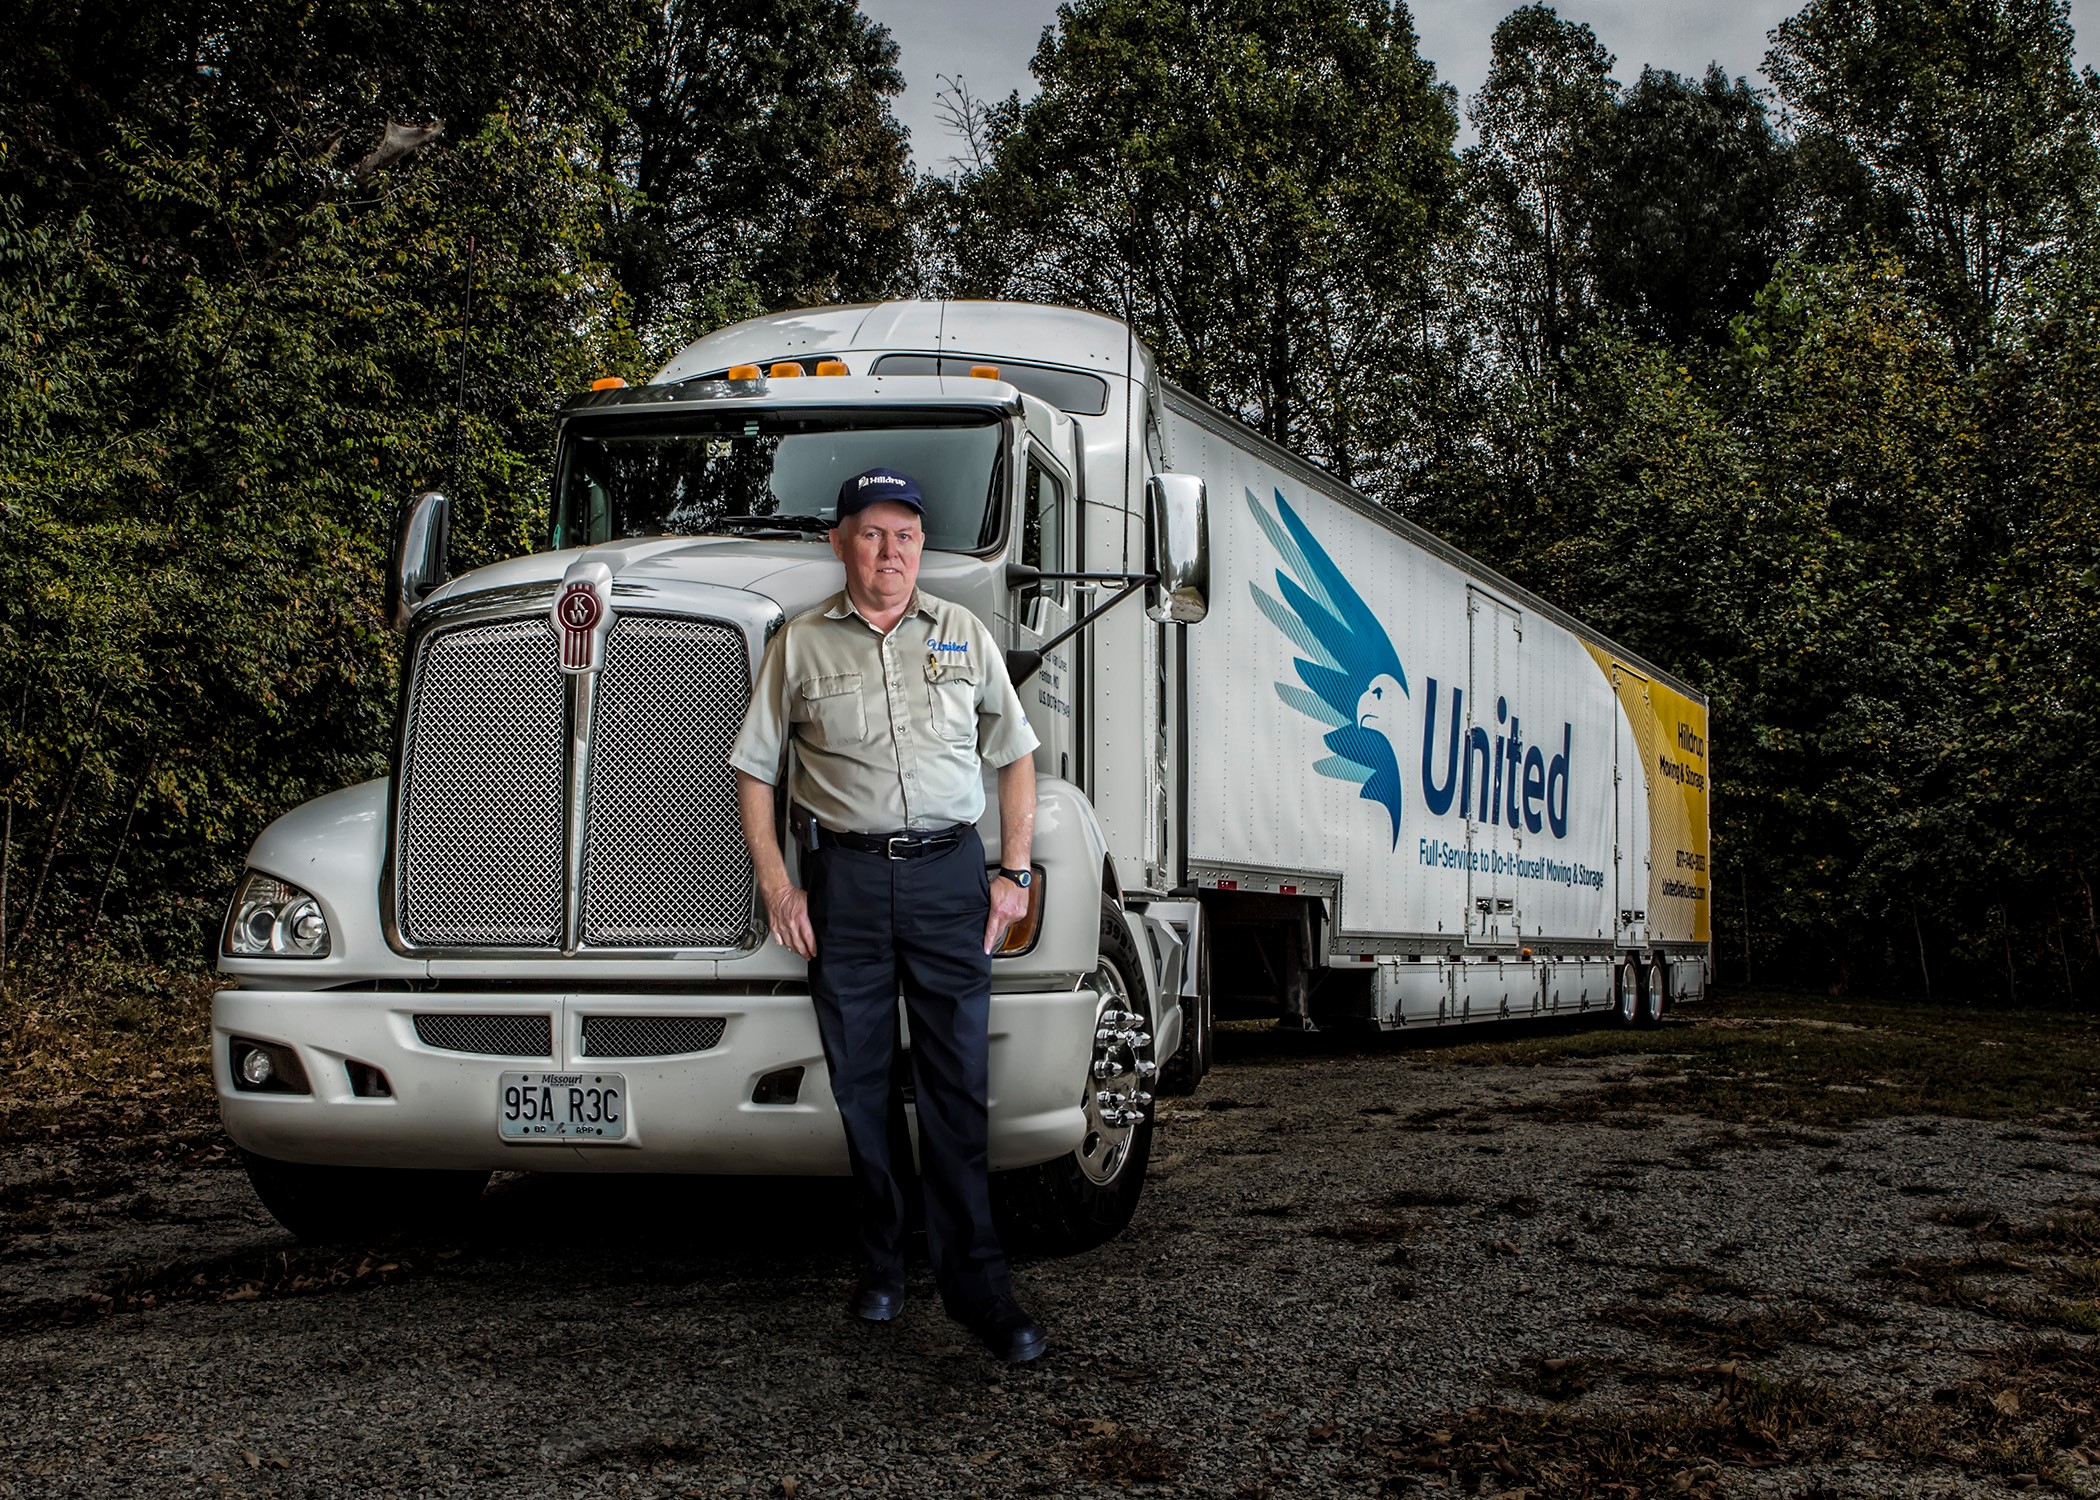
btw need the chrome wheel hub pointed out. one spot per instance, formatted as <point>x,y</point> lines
<point>1118,1080</point>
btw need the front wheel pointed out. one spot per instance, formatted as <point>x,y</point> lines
<point>324,1204</point>
<point>1087,1198</point>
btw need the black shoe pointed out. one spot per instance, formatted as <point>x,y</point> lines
<point>1002,1327</point>
<point>876,1300</point>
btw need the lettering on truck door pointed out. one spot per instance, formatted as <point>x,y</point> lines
<point>1493,637</point>
<point>1045,609</point>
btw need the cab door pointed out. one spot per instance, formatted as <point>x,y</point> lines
<point>1044,609</point>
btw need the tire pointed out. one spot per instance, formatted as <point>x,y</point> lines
<point>1626,995</point>
<point>1182,1072</point>
<point>324,1204</point>
<point>1655,992</point>
<point>1089,1197</point>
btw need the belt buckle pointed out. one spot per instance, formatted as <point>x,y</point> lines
<point>895,839</point>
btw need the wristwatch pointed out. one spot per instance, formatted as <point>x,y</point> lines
<point>1022,878</point>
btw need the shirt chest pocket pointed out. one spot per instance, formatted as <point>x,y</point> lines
<point>832,710</point>
<point>953,708</point>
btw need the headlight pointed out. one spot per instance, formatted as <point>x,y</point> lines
<point>271,919</point>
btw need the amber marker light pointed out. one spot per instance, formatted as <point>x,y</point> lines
<point>744,372</point>
<point>984,372</point>
<point>608,383</point>
<point>784,368</point>
<point>1022,935</point>
<point>832,367</point>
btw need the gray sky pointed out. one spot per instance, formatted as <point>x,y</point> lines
<point>989,43</point>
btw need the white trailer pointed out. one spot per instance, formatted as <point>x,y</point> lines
<point>1413,793</point>
<point>1378,782</point>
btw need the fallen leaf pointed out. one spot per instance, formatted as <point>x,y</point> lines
<point>2007,1402</point>
<point>251,1459</point>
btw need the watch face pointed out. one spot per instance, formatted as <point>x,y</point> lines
<point>1021,878</point>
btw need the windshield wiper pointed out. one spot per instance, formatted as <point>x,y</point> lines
<point>794,525</point>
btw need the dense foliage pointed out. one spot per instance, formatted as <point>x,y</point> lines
<point>1797,393</point>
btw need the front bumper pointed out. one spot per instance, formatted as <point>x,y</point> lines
<point>691,1113</point>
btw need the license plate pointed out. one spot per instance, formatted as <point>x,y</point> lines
<point>561,1106</point>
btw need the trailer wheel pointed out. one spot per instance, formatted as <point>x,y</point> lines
<point>323,1204</point>
<point>1655,992</point>
<point>1191,1060</point>
<point>1084,1199</point>
<point>1626,994</point>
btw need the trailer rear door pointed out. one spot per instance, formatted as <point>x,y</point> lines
<point>1494,636</point>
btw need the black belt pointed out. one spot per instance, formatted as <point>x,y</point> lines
<point>905,843</point>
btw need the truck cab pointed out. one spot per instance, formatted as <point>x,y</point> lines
<point>537,945</point>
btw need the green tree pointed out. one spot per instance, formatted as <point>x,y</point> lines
<point>1542,114</point>
<point>1687,194</point>
<point>1259,187</point>
<point>764,165</point>
<point>233,340</point>
<point>1956,133</point>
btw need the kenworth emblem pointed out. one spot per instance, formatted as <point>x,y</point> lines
<point>583,615</point>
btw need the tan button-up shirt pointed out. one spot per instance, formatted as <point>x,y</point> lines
<point>888,728</point>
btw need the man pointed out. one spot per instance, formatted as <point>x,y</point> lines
<point>892,697</point>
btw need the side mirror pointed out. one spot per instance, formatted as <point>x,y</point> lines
<point>1177,543</point>
<point>1022,664</point>
<point>422,537</point>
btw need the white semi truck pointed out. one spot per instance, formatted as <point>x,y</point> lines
<point>1319,762</point>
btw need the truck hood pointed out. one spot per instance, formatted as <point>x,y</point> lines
<point>795,575</point>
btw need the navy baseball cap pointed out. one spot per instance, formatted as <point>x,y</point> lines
<point>865,489</point>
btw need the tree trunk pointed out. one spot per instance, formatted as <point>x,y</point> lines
<point>123,834</point>
<point>7,842</point>
<point>58,822</point>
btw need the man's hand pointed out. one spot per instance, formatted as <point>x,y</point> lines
<point>787,913</point>
<point>1009,905</point>
<point>1016,837</point>
<point>787,904</point>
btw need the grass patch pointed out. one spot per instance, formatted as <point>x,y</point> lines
<point>1691,1279</point>
<point>2053,1285</point>
<point>1736,1335</point>
<point>2027,1419</point>
<point>97,1037</point>
<point>245,1276</point>
<point>1711,1422</point>
<point>2027,1414</point>
<point>1112,1453</point>
<point>1820,1063</point>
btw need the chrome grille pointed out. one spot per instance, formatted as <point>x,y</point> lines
<point>664,860</point>
<point>650,1036</point>
<point>500,1036</point>
<point>479,846</point>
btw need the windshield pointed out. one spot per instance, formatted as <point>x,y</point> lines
<point>758,473</point>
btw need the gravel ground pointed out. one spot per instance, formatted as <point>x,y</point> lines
<point>1335,1254</point>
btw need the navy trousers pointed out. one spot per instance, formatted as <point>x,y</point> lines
<point>913,927</point>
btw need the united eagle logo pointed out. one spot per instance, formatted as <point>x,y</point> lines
<point>1350,678</point>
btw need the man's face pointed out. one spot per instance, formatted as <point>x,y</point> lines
<point>880,548</point>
